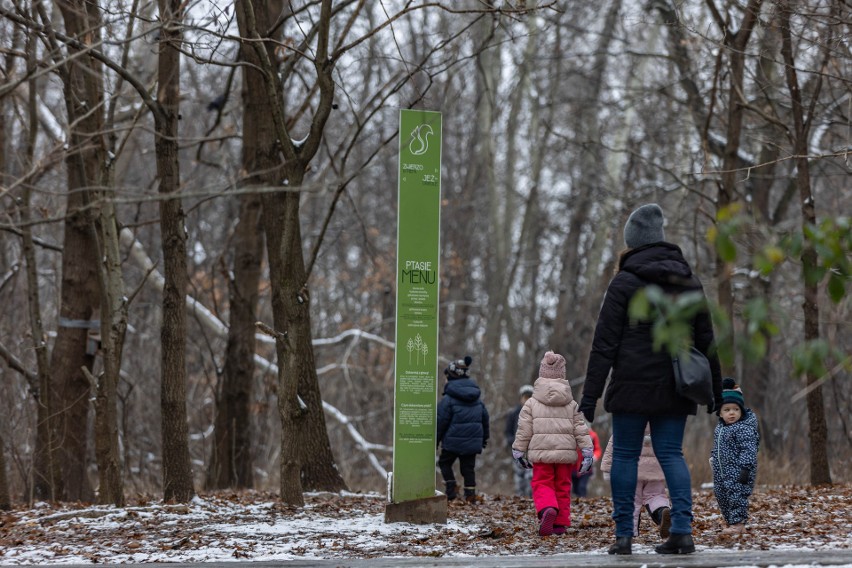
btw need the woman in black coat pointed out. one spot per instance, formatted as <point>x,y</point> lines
<point>641,389</point>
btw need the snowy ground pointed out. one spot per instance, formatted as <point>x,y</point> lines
<point>253,526</point>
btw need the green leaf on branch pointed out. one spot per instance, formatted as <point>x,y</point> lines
<point>810,357</point>
<point>670,316</point>
<point>726,248</point>
<point>836,287</point>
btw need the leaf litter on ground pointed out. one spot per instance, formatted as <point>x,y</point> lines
<point>255,526</point>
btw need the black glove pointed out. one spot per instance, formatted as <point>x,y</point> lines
<point>484,443</point>
<point>717,404</point>
<point>744,475</point>
<point>587,407</point>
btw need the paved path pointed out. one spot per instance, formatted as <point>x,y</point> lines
<point>751,558</point>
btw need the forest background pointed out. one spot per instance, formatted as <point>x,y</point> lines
<point>175,172</point>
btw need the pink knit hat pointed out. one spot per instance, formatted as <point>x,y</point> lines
<point>552,366</point>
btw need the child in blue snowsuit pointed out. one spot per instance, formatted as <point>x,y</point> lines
<point>463,428</point>
<point>734,457</point>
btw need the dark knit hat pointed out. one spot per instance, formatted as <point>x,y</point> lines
<point>644,226</point>
<point>552,366</point>
<point>731,393</point>
<point>459,369</point>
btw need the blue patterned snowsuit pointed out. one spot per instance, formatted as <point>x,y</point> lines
<point>734,460</point>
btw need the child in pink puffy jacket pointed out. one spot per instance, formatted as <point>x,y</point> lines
<point>550,429</point>
<point>650,487</point>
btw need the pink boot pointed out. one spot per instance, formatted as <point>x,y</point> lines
<point>548,516</point>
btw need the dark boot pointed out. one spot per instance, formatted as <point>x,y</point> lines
<point>451,490</point>
<point>655,515</point>
<point>470,494</point>
<point>623,545</point>
<point>665,523</point>
<point>677,544</point>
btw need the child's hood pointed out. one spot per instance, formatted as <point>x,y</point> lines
<point>552,392</point>
<point>463,389</point>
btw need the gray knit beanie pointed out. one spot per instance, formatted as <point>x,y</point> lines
<point>644,226</point>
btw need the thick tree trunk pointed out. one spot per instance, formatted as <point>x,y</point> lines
<point>71,353</point>
<point>231,460</point>
<point>177,470</point>
<point>305,450</point>
<point>288,345</point>
<point>306,458</point>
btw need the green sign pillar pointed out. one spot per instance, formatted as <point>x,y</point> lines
<point>417,289</point>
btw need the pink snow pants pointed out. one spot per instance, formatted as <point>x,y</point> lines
<point>651,493</point>
<point>551,487</point>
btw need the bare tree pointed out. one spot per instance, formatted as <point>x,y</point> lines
<point>177,470</point>
<point>47,480</point>
<point>73,356</point>
<point>303,423</point>
<point>802,120</point>
<point>589,175</point>
<point>231,462</point>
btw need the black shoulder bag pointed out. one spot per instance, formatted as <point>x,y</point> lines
<point>693,379</point>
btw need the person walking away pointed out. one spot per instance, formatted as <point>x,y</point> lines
<point>736,440</point>
<point>463,428</point>
<point>522,476</point>
<point>580,483</point>
<point>650,487</point>
<point>550,428</point>
<point>641,388</point>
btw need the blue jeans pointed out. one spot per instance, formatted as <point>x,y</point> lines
<point>628,431</point>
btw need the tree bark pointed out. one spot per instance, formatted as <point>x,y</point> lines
<point>47,475</point>
<point>5,498</point>
<point>590,180</point>
<point>736,43</point>
<point>177,470</point>
<point>113,328</point>
<point>817,428</point>
<point>72,356</point>
<point>481,174</point>
<point>763,176</point>
<point>231,461</point>
<point>306,456</point>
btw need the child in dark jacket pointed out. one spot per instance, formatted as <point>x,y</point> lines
<point>463,428</point>
<point>734,457</point>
